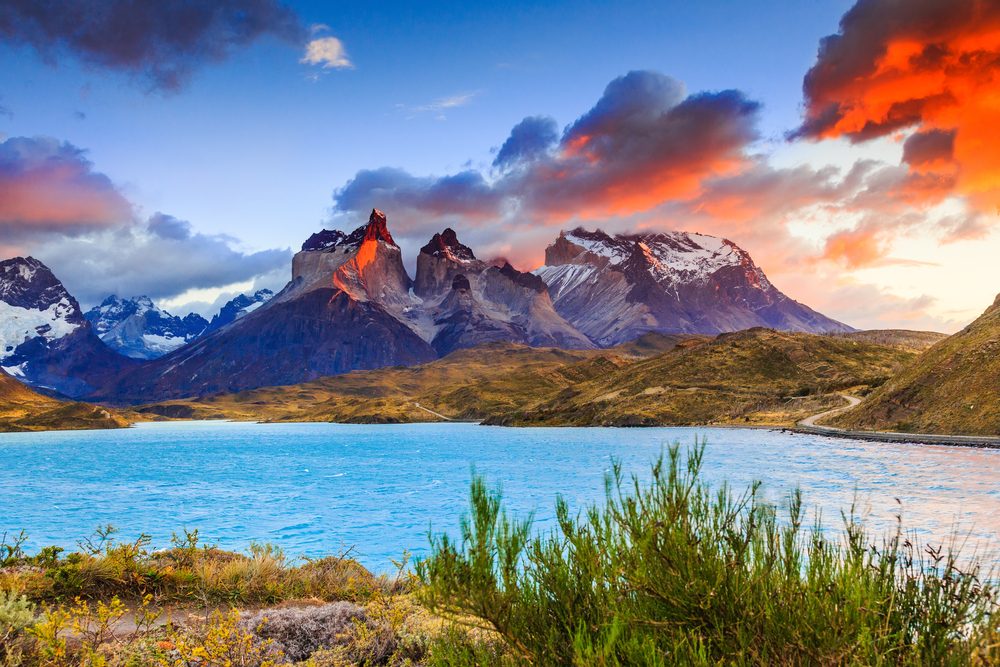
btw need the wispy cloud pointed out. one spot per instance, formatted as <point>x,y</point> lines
<point>440,105</point>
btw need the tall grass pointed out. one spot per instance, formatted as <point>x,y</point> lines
<point>671,572</point>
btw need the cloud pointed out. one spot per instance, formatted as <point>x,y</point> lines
<point>161,258</point>
<point>440,105</point>
<point>932,65</point>
<point>532,138</point>
<point>930,148</point>
<point>160,43</point>
<point>48,185</point>
<point>643,142</point>
<point>328,53</point>
<point>420,204</point>
<point>870,307</point>
<point>56,206</point>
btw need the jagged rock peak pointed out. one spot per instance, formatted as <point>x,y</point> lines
<point>26,282</point>
<point>324,239</point>
<point>330,239</point>
<point>377,229</point>
<point>529,280</point>
<point>446,244</point>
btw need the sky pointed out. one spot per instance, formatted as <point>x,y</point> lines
<point>185,149</point>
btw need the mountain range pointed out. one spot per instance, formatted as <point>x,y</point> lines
<point>350,305</point>
<point>137,328</point>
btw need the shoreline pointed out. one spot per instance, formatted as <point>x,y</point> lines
<point>801,428</point>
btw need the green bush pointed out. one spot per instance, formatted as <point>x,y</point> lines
<point>16,615</point>
<point>671,572</point>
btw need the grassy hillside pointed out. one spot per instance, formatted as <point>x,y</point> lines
<point>953,388</point>
<point>915,341</point>
<point>758,376</point>
<point>468,384</point>
<point>22,409</point>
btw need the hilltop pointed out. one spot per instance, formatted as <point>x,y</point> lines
<point>953,388</point>
<point>757,376</point>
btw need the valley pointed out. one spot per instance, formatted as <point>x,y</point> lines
<point>756,377</point>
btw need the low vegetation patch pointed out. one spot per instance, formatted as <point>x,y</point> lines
<point>666,571</point>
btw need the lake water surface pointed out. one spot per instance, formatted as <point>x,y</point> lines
<point>317,489</point>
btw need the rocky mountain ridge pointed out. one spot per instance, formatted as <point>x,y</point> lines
<point>138,329</point>
<point>45,340</point>
<point>351,305</point>
<point>614,288</point>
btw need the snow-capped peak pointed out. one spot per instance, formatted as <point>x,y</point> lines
<point>669,256</point>
<point>33,304</point>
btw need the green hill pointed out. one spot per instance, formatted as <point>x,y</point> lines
<point>953,388</point>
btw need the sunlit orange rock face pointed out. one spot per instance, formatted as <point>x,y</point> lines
<point>933,66</point>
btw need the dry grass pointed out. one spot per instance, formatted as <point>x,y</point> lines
<point>953,388</point>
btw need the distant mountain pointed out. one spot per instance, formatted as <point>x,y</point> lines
<point>351,305</point>
<point>44,339</point>
<point>953,388</point>
<point>238,307</point>
<point>343,310</point>
<point>615,288</point>
<point>470,302</point>
<point>138,329</point>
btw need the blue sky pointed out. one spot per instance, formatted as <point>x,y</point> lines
<point>252,148</point>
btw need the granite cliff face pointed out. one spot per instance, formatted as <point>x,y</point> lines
<point>615,288</point>
<point>351,305</point>
<point>340,312</point>
<point>473,302</point>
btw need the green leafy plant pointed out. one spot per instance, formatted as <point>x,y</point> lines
<point>674,572</point>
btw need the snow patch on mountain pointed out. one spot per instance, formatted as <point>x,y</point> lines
<point>19,325</point>
<point>674,257</point>
<point>137,328</point>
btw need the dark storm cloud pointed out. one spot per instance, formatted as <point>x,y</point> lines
<point>466,193</point>
<point>529,139</point>
<point>930,147</point>
<point>641,144</point>
<point>160,41</point>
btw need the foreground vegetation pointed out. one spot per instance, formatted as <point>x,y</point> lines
<point>664,572</point>
<point>757,377</point>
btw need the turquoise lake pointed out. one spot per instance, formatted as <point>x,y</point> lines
<point>318,489</point>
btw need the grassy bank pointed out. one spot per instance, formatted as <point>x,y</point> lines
<point>664,572</point>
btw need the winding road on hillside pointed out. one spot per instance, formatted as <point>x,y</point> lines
<point>809,425</point>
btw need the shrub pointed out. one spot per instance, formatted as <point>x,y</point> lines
<point>671,572</point>
<point>16,615</point>
<point>298,632</point>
